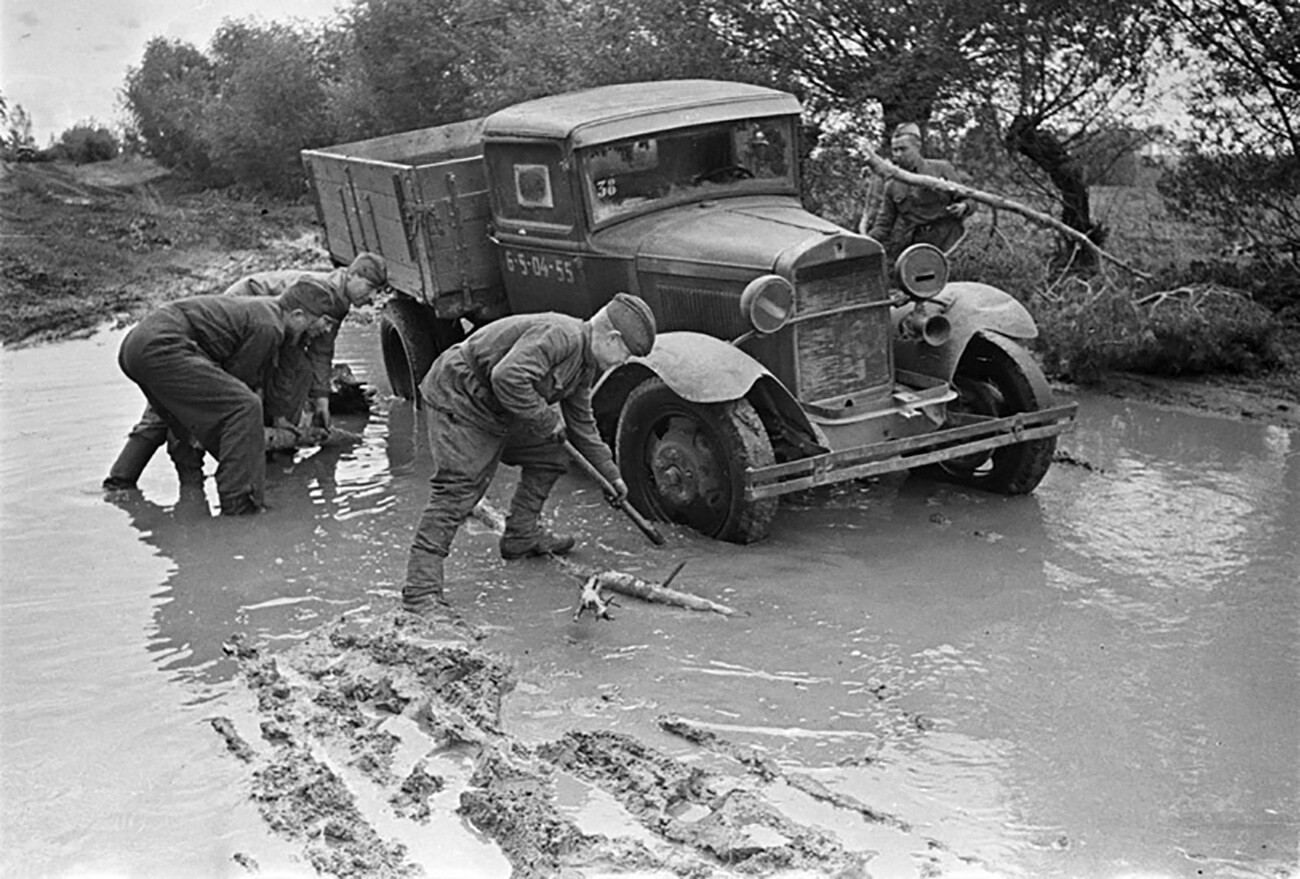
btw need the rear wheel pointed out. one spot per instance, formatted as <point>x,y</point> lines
<point>685,462</point>
<point>410,338</point>
<point>996,377</point>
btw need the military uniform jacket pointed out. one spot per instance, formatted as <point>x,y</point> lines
<point>241,335</point>
<point>904,207</point>
<point>320,351</point>
<point>517,368</point>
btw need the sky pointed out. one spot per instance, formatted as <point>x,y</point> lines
<point>65,61</point>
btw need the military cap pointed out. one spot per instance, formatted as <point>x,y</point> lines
<point>370,266</point>
<point>310,297</point>
<point>634,320</point>
<point>908,129</point>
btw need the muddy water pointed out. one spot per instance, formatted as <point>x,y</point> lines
<point>1101,680</point>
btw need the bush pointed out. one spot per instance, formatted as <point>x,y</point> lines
<point>85,143</point>
<point>271,106</point>
<point>167,97</point>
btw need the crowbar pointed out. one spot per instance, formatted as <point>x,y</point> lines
<point>646,526</point>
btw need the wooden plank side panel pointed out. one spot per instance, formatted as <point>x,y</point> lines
<point>460,252</point>
<point>336,209</point>
<point>467,175</point>
<point>456,140</point>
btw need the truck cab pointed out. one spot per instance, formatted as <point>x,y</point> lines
<point>786,358</point>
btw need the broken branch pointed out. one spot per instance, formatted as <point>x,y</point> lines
<point>886,168</point>
<point>612,581</point>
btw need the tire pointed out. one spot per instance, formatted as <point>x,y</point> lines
<point>997,377</point>
<point>410,338</point>
<point>685,462</point>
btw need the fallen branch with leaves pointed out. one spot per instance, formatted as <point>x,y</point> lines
<point>886,168</point>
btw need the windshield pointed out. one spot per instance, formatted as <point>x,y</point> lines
<point>721,159</point>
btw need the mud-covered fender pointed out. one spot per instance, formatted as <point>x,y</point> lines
<point>701,369</point>
<point>970,307</point>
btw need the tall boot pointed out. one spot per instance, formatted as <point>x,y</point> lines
<point>422,592</point>
<point>188,459</point>
<point>524,534</point>
<point>131,462</point>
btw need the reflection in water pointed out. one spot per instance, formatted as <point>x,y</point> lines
<point>272,576</point>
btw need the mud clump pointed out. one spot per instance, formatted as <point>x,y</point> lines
<point>337,710</point>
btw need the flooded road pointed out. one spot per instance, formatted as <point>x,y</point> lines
<point>1100,680</point>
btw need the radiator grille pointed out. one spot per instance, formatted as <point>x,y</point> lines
<point>846,351</point>
<point>704,309</point>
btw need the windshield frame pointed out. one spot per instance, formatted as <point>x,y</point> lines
<point>672,160</point>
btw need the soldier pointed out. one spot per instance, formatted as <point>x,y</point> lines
<point>490,400</point>
<point>200,362</point>
<point>302,375</point>
<point>910,214</point>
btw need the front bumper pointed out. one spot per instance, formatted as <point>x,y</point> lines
<point>974,434</point>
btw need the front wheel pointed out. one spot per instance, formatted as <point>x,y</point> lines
<point>996,377</point>
<point>685,462</point>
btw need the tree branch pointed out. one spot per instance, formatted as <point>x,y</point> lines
<point>885,168</point>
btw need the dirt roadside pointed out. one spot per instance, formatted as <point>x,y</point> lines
<point>336,713</point>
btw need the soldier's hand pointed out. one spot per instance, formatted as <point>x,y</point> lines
<point>620,492</point>
<point>559,435</point>
<point>959,209</point>
<point>321,411</point>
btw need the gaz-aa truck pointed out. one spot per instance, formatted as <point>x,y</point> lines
<point>786,358</point>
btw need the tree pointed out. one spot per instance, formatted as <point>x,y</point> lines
<point>1043,71</point>
<point>167,97</point>
<point>904,57</point>
<point>554,46</point>
<point>402,62</point>
<point>268,106</point>
<point>17,138</point>
<point>1060,71</point>
<point>1242,168</point>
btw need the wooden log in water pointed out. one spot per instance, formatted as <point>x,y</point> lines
<point>613,581</point>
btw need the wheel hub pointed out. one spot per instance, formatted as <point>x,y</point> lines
<point>683,467</point>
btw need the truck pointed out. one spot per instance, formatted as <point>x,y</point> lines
<point>787,356</point>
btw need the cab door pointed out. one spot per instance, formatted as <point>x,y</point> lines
<point>536,223</point>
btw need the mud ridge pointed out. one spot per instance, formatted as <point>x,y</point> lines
<point>335,711</point>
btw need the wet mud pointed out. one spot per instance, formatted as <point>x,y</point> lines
<point>324,710</point>
<point>1094,681</point>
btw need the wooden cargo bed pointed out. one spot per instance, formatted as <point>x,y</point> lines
<point>420,199</point>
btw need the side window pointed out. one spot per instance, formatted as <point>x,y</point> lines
<point>530,183</point>
<point>533,186</point>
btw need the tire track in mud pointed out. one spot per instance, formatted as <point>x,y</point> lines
<point>325,709</point>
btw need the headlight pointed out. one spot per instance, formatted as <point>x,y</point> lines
<point>767,303</point>
<point>922,270</point>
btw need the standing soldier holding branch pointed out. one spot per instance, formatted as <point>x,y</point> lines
<point>491,399</point>
<point>911,214</point>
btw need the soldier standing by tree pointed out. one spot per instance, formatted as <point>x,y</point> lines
<point>910,214</point>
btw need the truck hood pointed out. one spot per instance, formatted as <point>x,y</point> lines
<point>743,233</point>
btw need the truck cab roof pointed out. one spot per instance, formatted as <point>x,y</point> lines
<point>612,112</point>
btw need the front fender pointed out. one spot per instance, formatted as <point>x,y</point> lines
<point>703,369</point>
<point>700,369</point>
<point>970,308</point>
